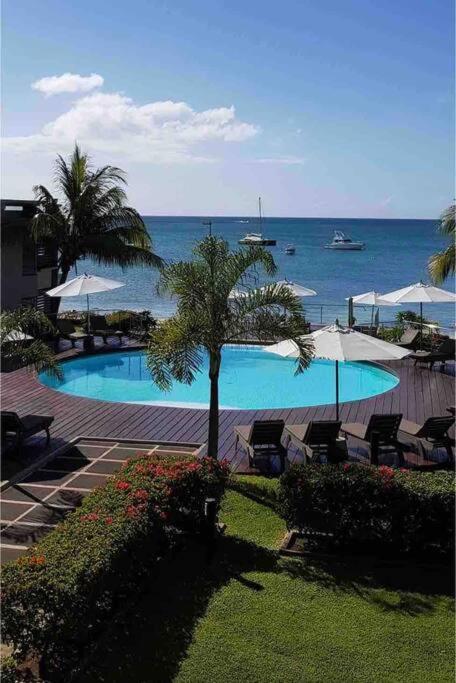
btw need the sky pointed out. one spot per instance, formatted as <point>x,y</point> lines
<point>322,107</point>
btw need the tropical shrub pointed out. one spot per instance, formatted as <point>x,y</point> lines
<point>131,320</point>
<point>378,508</point>
<point>56,598</point>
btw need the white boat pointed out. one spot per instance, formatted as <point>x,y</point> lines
<point>343,243</point>
<point>256,238</point>
<point>290,249</point>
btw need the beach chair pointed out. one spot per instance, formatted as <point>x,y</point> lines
<point>444,351</point>
<point>67,330</point>
<point>380,434</point>
<point>409,339</point>
<point>99,326</point>
<point>21,428</point>
<point>317,438</point>
<point>262,440</point>
<point>432,433</point>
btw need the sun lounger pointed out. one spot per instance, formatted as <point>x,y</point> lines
<point>67,330</point>
<point>21,428</point>
<point>262,440</point>
<point>409,339</point>
<point>100,327</point>
<point>317,438</point>
<point>443,352</point>
<point>380,434</point>
<point>433,433</point>
<point>451,410</point>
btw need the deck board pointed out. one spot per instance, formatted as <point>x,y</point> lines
<point>420,393</point>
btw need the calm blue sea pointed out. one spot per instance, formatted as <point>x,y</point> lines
<point>396,255</point>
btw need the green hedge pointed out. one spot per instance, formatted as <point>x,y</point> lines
<point>375,508</point>
<point>57,598</point>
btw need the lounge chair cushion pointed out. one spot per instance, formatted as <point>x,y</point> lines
<point>410,427</point>
<point>355,429</point>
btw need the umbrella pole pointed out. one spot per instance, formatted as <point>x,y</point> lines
<point>421,326</point>
<point>337,389</point>
<point>88,315</point>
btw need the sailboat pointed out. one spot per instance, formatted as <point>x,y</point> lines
<point>256,238</point>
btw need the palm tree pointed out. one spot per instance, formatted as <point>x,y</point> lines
<point>207,317</point>
<point>442,264</point>
<point>21,344</point>
<point>89,218</point>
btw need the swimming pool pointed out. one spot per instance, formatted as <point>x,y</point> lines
<point>250,378</point>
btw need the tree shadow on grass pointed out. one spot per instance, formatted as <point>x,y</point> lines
<point>395,586</point>
<point>149,641</point>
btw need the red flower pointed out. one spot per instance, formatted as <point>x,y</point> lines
<point>108,520</point>
<point>90,517</point>
<point>346,466</point>
<point>122,486</point>
<point>141,494</point>
<point>386,472</point>
<point>132,511</point>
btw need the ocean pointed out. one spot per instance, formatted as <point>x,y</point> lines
<point>396,255</point>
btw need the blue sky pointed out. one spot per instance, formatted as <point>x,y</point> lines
<point>325,108</point>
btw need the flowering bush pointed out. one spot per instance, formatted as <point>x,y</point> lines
<point>56,598</point>
<point>378,508</point>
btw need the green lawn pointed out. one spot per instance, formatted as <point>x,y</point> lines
<point>255,617</point>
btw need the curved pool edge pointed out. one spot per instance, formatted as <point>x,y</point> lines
<point>192,406</point>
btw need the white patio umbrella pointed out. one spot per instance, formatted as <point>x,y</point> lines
<point>370,299</point>
<point>17,335</point>
<point>297,289</point>
<point>338,343</point>
<point>420,293</point>
<point>85,284</point>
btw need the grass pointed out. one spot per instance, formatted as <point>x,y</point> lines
<point>253,616</point>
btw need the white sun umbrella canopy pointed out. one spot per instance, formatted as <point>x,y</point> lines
<point>17,335</point>
<point>338,343</point>
<point>370,299</point>
<point>85,285</point>
<point>420,293</point>
<point>297,289</point>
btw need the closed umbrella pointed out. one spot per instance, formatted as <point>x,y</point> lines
<point>370,299</point>
<point>420,293</point>
<point>85,284</point>
<point>338,343</point>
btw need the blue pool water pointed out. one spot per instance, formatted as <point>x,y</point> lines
<point>250,378</point>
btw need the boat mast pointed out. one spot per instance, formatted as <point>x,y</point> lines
<point>259,211</point>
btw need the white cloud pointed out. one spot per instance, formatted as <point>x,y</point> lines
<point>67,82</point>
<point>157,132</point>
<point>283,161</point>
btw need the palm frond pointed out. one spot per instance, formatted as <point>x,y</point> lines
<point>174,352</point>
<point>442,264</point>
<point>24,352</point>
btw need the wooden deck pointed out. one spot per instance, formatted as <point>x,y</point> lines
<point>421,393</point>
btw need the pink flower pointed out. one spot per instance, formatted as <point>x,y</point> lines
<point>141,494</point>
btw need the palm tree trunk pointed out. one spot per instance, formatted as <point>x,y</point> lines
<point>213,435</point>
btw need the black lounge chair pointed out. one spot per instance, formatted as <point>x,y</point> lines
<point>317,438</point>
<point>20,428</point>
<point>262,439</point>
<point>451,410</point>
<point>409,339</point>
<point>100,327</point>
<point>433,433</point>
<point>443,352</point>
<point>380,434</point>
<point>67,330</point>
